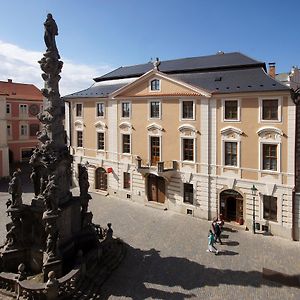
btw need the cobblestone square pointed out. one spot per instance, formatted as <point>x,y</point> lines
<point>167,258</point>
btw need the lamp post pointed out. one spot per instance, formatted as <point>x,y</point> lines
<point>253,190</point>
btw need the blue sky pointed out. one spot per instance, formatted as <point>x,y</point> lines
<point>96,36</point>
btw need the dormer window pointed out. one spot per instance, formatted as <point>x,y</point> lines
<point>155,85</point>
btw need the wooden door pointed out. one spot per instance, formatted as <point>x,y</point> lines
<point>155,150</point>
<point>101,179</point>
<point>160,190</point>
<point>156,189</point>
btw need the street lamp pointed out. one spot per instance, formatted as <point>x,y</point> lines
<point>253,190</point>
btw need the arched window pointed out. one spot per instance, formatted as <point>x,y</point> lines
<point>155,85</point>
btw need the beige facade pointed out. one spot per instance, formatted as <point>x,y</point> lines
<point>176,155</point>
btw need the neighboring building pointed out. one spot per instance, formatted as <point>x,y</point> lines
<point>4,165</point>
<point>193,136</point>
<point>291,79</point>
<point>20,106</point>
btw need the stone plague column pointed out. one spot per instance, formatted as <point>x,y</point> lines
<point>51,162</point>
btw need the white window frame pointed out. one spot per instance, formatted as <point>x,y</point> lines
<point>264,138</point>
<point>151,134</point>
<point>154,91</point>
<point>8,106</point>
<point>260,115</point>
<point>121,144</point>
<point>238,142</point>
<point>149,109</point>
<point>100,117</point>
<point>238,110</point>
<point>100,131</point>
<point>278,144</point>
<point>23,110</point>
<point>79,103</point>
<point>121,109</point>
<point>181,110</point>
<point>194,149</point>
<point>23,136</point>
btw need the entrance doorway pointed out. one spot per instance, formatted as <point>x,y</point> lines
<point>101,179</point>
<point>231,205</point>
<point>156,188</point>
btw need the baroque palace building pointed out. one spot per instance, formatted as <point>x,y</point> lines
<point>192,135</point>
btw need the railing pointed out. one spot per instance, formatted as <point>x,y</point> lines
<point>162,166</point>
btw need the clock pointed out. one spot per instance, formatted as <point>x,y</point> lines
<point>34,109</point>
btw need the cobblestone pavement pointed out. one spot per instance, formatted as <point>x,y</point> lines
<point>167,258</point>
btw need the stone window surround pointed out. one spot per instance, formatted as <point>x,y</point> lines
<point>238,110</point>
<point>181,109</point>
<point>260,108</point>
<point>149,109</point>
<point>150,85</point>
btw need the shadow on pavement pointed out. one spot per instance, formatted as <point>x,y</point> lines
<point>229,229</point>
<point>231,243</point>
<point>227,252</point>
<point>144,274</point>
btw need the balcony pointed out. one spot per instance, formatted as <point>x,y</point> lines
<point>162,168</point>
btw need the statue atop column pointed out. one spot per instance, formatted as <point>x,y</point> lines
<point>51,30</point>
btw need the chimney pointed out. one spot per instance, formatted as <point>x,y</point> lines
<point>9,80</point>
<point>272,70</point>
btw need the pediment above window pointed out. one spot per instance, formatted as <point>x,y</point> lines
<point>231,129</point>
<point>78,124</point>
<point>154,126</point>
<point>269,132</point>
<point>187,130</point>
<point>125,125</point>
<point>231,132</point>
<point>100,125</point>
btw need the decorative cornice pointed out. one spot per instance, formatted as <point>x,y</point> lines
<point>268,129</point>
<point>228,129</point>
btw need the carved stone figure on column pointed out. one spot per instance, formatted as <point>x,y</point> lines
<point>84,188</point>
<point>14,233</point>
<point>51,243</point>
<point>50,195</point>
<point>15,189</point>
<point>51,30</point>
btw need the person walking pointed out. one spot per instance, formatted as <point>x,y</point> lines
<point>211,241</point>
<point>218,232</point>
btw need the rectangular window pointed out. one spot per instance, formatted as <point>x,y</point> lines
<point>78,110</point>
<point>270,109</point>
<point>125,143</point>
<point>8,108</point>
<point>187,109</point>
<point>24,130</point>
<point>154,109</point>
<point>23,109</point>
<point>8,130</point>
<point>100,109</point>
<point>79,139</point>
<point>33,129</point>
<point>126,180</point>
<point>270,208</point>
<point>231,110</point>
<point>125,109</point>
<point>188,149</point>
<point>270,157</point>
<point>188,194</point>
<point>100,140</point>
<point>231,153</point>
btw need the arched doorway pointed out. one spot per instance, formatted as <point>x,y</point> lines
<point>156,188</point>
<point>100,179</point>
<point>231,205</point>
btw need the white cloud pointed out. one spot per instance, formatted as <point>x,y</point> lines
<point>22,66</point>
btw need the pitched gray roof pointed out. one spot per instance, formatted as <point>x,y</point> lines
<point>217,61</point>
<point>222,73</point>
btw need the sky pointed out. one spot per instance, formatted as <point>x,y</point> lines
<point>97,36</point>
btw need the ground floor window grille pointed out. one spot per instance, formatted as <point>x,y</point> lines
<point>270,208</point>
